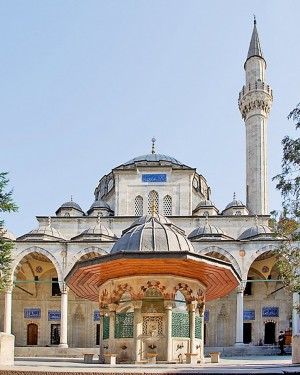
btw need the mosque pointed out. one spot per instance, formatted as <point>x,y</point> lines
<point>153,268</point>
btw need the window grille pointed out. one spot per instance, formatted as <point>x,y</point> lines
<point>167,205</point>
<point>138,206</point>
<point>153,196</point>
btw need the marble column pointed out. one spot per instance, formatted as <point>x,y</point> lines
<point>168,309</point>
<point>137,332</point>
<point>239,335</point>
<point>201,307</point>
<point>192,314</point>
<point>112,321</point>
<point>8,309</point>
<point>295,314</point>
<point>64,316</point>
<point>103,312</point>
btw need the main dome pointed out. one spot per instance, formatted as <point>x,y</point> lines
<point>153,236</point>
<point>154,158</point>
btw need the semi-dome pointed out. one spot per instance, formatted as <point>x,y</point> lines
<point>153,158</point>
<point>208,231</point>
<point>257,231</point>
<point>153,236</point>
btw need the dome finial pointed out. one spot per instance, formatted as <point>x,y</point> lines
<point>254,19</point>
<point>153,208</point>
<point>71,198</point>
<point>234,196</point>
<point>153,145</point>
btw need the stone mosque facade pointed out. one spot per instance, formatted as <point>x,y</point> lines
<point>153,267</point>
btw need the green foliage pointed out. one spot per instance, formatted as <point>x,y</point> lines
<point>288,181</point>
<point>287,227</point>
<point>6,205</point>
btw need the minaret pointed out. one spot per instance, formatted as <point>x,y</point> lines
<point>255,101</point>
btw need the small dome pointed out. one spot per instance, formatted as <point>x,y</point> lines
<point>8,235</point>
<point>153,158</point>
<point>99,229</point>
<point>255,231</point>
<point>100,204</point>
<point>205,203</point>
<point>71,204</point>
<point>235,203</point>
<point>47,230</point>
<point>153,235</point>
<point>208,231</point>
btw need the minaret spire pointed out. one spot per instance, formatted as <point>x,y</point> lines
<point>255,47</point>
<point>255,101</point>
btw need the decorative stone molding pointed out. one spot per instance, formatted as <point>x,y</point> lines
<point>255,100</point>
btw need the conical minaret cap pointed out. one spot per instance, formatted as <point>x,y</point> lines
<point>255,47</point>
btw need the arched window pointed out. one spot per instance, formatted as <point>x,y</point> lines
<point>138,206</point>
<point>167,205</point>
<point>153,198</point>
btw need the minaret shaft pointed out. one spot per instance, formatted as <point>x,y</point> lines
<point>255,101</point>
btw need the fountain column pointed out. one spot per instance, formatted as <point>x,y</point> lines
<point>101,351</point>
<point>192,310</point>
<point>112,319</point>
<point>138,325</point>
<point>168,309</point>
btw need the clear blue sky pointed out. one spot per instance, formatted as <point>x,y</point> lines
<point>86,84</point>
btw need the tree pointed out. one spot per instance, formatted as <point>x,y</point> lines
<point>288,181</point>
<point>287,227</point>
<point>6,205</point>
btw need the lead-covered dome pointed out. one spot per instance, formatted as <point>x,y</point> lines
<point>69,208</point>
<point>154,158</point>
<point>208,232</point>
<point>43,233</point>
<point>153,235</point>
<point>257,232</point>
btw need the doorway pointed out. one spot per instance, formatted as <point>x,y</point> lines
<point>32,334</point>
<point>247,332</point>
<point>270,333</point>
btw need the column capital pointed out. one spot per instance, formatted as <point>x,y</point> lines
<point>64,289</point>
<point>104,312</point>
<point>137,304</point>
<point>168,305</point>
<point>9,288</point>
<point>192,306</point>
<point>112,307</point>
<point>240,288</point>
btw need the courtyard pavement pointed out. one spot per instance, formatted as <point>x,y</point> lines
<point>227,365</point>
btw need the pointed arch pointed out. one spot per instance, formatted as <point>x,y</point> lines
<point>223,252</point>
<point>85,252</point>
<point>259,252</point>
<point>20,260</point>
